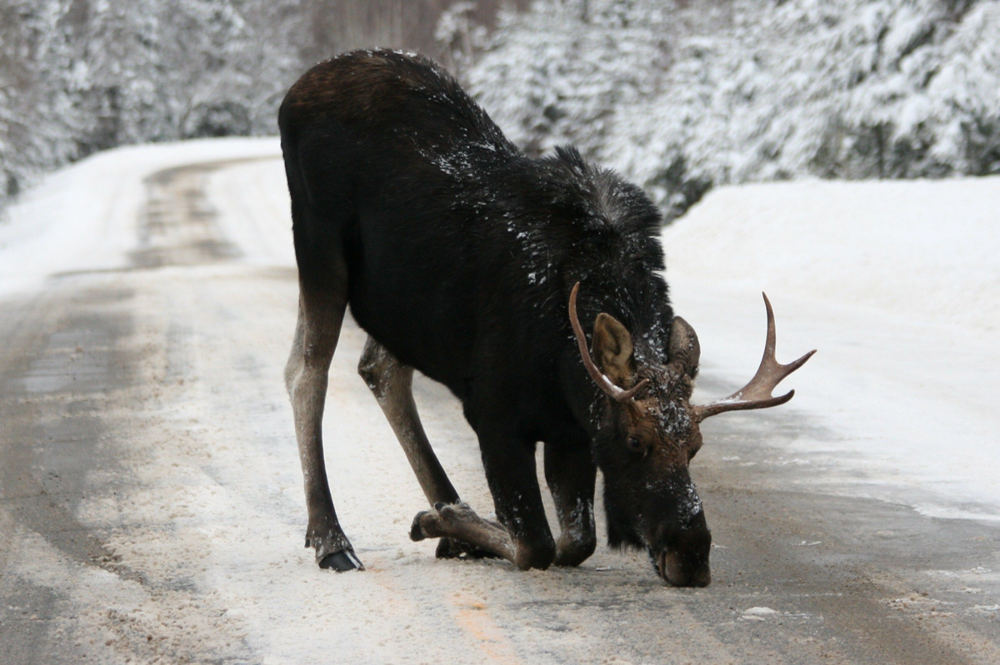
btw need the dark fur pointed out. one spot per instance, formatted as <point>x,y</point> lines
<point>461,253</point>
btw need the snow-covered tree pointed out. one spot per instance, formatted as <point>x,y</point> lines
<point>77,76</point>
<point>684,96</point>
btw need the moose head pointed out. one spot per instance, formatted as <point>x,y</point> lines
<point>649,432</point>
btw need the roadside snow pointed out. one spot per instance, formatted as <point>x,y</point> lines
<point>898,286</point>
<point>922,250</point>
<point>84,217</point>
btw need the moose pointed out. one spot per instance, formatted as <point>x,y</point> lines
<point>467,260</point>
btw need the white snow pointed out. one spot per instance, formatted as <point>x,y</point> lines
<point>898,286</point>
<point>758,614</point>
<point>84,217</point>
<point>681,95</point>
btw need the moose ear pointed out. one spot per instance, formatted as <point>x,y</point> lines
<point>613,350</point>
<point>684,351</point>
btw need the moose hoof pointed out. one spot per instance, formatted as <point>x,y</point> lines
<point>335,554</point>
<point>574,551</point>
<point>341,562</point>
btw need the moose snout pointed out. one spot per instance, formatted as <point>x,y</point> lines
<point>682,559</point>
<point>675,570</point>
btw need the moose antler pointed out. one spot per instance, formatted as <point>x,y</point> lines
<point>602,381</point>
<point>757,393</point>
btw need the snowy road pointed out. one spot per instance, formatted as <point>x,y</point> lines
<point>151,507</point>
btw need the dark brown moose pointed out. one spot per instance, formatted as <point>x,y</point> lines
<point>467,260</point>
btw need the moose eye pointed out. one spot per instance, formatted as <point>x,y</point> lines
<point>634,445</point>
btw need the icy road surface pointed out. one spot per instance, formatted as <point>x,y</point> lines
<point>151,506</point>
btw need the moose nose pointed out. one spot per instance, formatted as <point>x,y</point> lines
<point>675,571</point>
<point>684,559</point>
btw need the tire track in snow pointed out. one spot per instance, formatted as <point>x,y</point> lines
<point>69,361</point>
<point>62,445</point>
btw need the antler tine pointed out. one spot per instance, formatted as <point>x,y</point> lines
<point>757,393</point>
<point>602,381</point>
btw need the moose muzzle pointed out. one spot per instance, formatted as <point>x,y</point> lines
<point>682,559</point>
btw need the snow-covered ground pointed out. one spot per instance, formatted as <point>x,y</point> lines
<point>898,286</point>
<point>85,216</point>
<point>195,490</point>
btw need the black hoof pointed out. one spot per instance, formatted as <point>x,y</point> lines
<point>341,562</point>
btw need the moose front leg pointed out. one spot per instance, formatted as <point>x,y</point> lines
<point>523,535</point>
<point>571,474</point>
<point>391,382</point>
<point>456,522</point>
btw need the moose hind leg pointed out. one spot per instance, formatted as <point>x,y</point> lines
<point>306,376</point>
<point>392,384</point>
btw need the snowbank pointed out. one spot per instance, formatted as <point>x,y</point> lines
<point>925,251</point>
<point>898,286</point>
